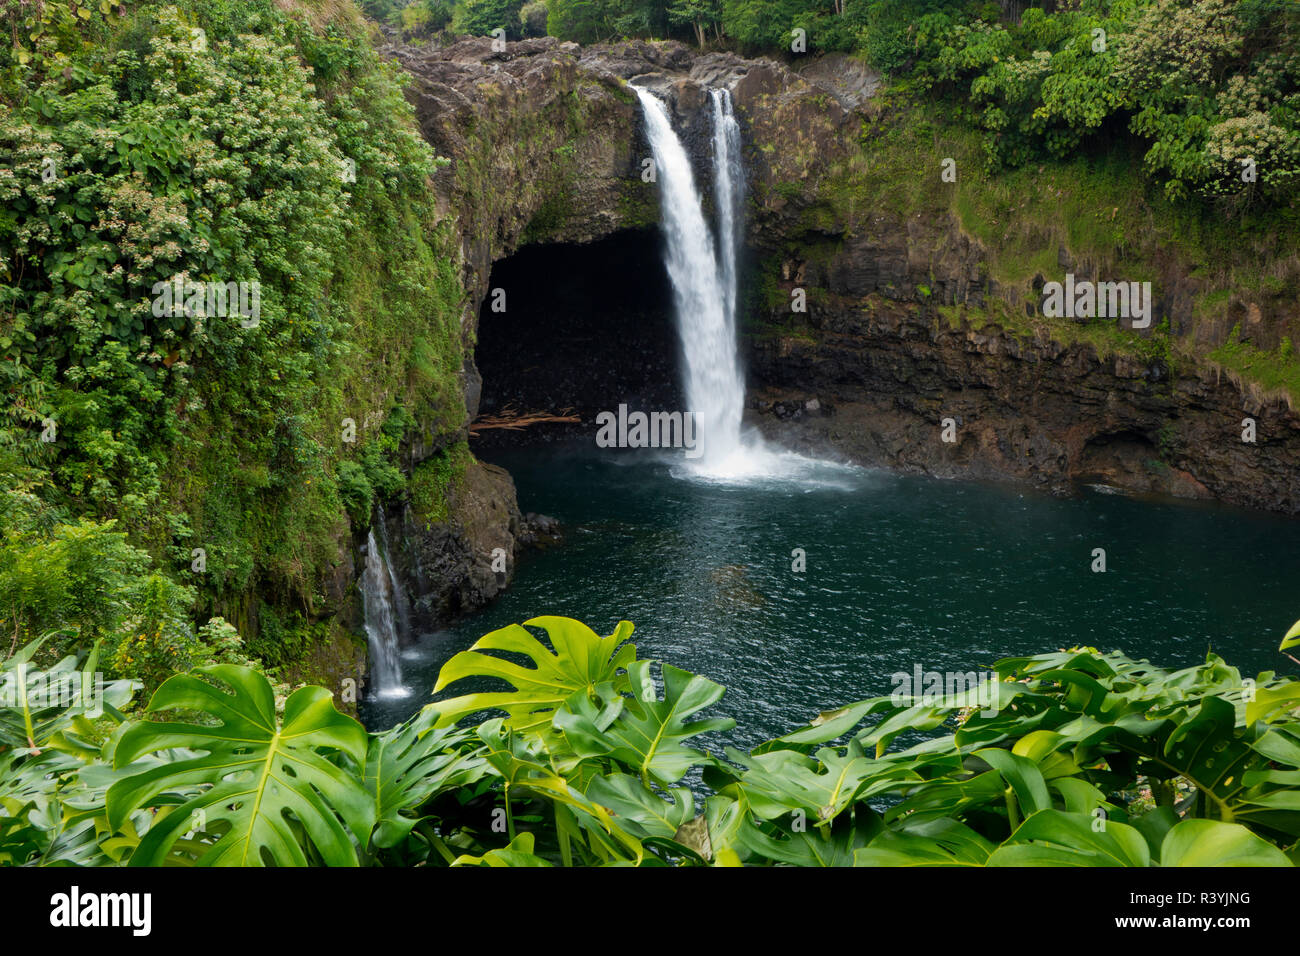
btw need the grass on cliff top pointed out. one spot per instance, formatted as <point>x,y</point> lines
<point>1095,206</point>
<point>1271,372</point>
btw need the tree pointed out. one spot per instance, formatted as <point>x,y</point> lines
<point>583,21</point>
<point>532,18</point>
<point>640,17</point>
<point>698,13</point>
<point>767,24</point>
<point>481,17</point>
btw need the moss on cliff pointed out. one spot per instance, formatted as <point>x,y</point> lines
<point>1272,371</point>
<point>1091,214</point>
<point>296,161</point>
<point>434,480</point>
<point>525,166</point>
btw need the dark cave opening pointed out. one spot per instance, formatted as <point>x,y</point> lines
<point>577,329</point>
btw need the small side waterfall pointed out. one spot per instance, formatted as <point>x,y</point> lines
<point>383,607</point>
<point>401,609</point>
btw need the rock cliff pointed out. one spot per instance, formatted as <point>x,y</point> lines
<point>906,330</point>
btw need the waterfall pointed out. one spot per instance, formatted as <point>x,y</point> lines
<point>728,187</point>
<point>704,274</point>
<point>381,596</point>
<point>703,278</point>
<point>402,611</point>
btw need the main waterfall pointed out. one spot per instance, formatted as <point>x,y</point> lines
<point>729,193</point>
<point>703,277</point>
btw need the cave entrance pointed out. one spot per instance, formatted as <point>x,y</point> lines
<point>585,328</point>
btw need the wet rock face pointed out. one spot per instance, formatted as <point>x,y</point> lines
<point>545,143</point>
<point>551,129</point>
<point>454,566</point>
<point>848,79</point>
<point>888,377</point>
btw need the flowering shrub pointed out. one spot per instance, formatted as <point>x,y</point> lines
<point>209,144</point>
<point>1211,85</point>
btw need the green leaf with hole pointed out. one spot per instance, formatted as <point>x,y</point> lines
<point>1057,838</point>
<point>649,733</point>
<point>270,792</point>
<point>581,660</point>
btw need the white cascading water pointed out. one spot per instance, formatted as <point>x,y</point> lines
<point>402,614</point>
<point>728,191</point>
<point>704,292</point>
<point>380,594</point>
<point>704,277</point>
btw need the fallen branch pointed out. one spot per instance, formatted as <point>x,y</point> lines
<point>517,421</point>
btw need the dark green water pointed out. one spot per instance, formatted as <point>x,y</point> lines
<point>900,571</point>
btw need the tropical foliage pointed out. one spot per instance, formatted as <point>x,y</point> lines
<point>1209,88</point>
<point>159,467</point>
<point>1073,758</point>
<point>158,471</point>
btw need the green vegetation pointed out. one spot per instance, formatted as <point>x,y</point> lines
<point>1124,131</point>
<point>1271,371</point>
<point>1074,758</point>
<point>174,478</point>
<point>435,479</point>
<point>1091,206</point>
<point>1210,87</point>
<point>1144,137</point>
<point>158,465</point>
<point>548,219</point>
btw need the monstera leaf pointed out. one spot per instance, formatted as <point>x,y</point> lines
<point>407,765</point>
<point>1291,638</point>
<point>639,809</point>
<point>46,718</point>
<point>819,788</point>
<point>268,785</point>
<point>523,767</point>
<point>1022,776</point>
<point>518,853</point>
<point>669,825</point>
<point>43,707</point>
<point>30,802</point>
<point>1059,838</point>
<point>581,661</point>
<point>1214,843</point>
<point>810,846</point>
<point>648,734</point>
<point>931,843</point>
